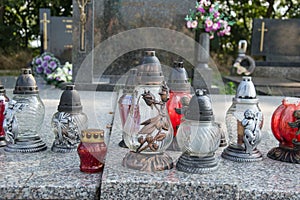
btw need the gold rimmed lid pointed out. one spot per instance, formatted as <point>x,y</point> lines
<point>92,135</point>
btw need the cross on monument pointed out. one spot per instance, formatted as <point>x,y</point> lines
<point>45,36</point>
<point>81,6</point>
<point>262,36</point>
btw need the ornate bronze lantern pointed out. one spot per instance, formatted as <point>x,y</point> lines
<point>147,130</point>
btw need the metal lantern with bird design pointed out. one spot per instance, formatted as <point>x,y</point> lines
<point>285,124</point>
<point>244,121</point>
<point>148,131</point>
<point>68,122</point>
<point>24,116</point>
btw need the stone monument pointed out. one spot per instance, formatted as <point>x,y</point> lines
<point>56,35</point>
<point>110,36</point>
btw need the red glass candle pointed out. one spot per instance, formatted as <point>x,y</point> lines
<point>3,100</point>
<point>2,109</point>
<point>92,151</point>
<point>176,101</point>
<point>285,124</point>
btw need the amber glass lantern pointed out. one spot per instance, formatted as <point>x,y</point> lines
<point>148,131</point>
<point>92,151</point>
<point>24,116</point>
<point>285,126</point>
<point>198,136</point>
<point>244,121</point>
<point>180,95</point>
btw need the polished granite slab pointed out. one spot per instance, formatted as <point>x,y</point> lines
<point>49,175</point>
<point>267,179</point>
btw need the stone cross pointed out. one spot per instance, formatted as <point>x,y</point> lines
<point>262,35</point>
<point>45,36</point>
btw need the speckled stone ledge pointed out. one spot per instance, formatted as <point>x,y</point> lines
<point>267,179</point>
<point>49,175</point>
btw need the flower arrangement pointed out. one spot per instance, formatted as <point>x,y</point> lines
<point>207,17</point>
<point>48,66</point>
<point>62,74</point>
<point>45,64</point>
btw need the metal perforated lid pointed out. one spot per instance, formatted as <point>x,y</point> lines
<point>149,72</point>
<point>178,79</point>
<point>26,83</point>
<point>200,107</point>
<point>70,100</point>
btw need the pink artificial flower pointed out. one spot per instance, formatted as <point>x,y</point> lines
<point>189,24</point>
<point>209,23</point>
<point>216,14</point>
<point>194,24</point>
<point>227,30</point>
<point>205,2</point>
<point>216,26</point>
<point>201,9</point>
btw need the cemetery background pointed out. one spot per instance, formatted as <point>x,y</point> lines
<point>37,186</point>
<point>16,52</point>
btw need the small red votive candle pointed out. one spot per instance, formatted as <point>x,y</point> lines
<point>92,151</point>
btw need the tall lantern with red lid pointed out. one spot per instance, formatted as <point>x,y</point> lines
<point>285,124</point>
<point>180,95</point>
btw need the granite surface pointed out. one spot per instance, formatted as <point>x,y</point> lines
<point>49,175</point>
<point>267,179</point>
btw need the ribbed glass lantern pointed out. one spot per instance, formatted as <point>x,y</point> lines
<point>24,116</point>
<point>244,121</point>
<point>198,136</point>
<point>68,122</point>
<point>148,131</point>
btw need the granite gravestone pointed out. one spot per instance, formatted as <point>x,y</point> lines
<point>56,35</point>
<point>276,40</point>
<point>102,28</point>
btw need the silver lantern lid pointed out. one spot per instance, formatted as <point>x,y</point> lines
<point>70,100</point>
<point>200,107</point>
<point>246,91</point>
<point>149,72</point>
<point>26,83</point>
<point>178,79</point>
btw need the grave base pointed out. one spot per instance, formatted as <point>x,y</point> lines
<point>145,162</point>
<point>27,146</point>
<point>239,155</point>
<point>285,155</point>
<point>196,165</point>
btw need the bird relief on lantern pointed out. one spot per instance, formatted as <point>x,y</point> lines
<point>152,132</point>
